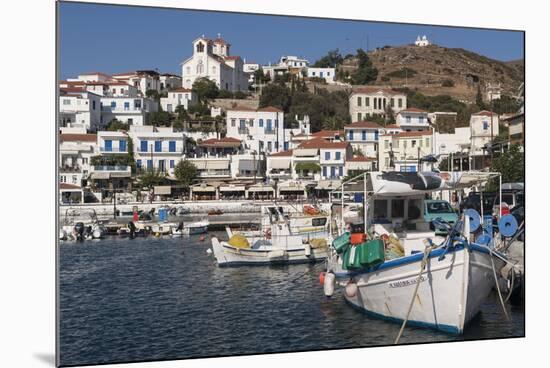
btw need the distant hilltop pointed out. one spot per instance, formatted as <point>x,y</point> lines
<point>437,70</point>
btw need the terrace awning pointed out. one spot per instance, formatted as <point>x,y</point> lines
<point>207,189</point>
<point>234,188</point>
<point>249,165</point>
<point>99,175</point>
<point>217,165</point>
<point>280,164</point>
<point>300,152</point>
<point>261,188</point>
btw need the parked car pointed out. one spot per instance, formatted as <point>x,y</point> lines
<point>439,209</point>
<point>473,200</point>
<point>512,198</point>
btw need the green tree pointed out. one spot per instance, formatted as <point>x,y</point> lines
<point>505,105</point>
<point>185,171</point>
<point>116,124</point>
<point>205,89</point>
<point>365,72</point>
<point>225,94</point>
<point>511,164</point>
<point>130,156</point>
<point>182,113</point>
<point>151,93</point>
<point>275,95</point>
<point>150,178</point>
<point>159,118</point>
<point>330,60</point>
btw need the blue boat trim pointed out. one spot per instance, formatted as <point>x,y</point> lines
<point>413,258</point>
<point>440,327</point>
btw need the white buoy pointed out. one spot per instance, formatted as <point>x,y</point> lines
<point>466,227</point>
<point>208,251</point>
<point>351,289</point>
<point>328,285</point>
<point>307,250</point>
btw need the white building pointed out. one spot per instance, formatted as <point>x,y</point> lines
<point>313,160</point>
<point>176,97</point>
<point>445,144</point>
<point>492,91</point>
<point>412,119</point>
<point>157,148</point>
<point>79,108</point>
<point>260,130</point>
<point>422,42</point>
<point>480,128</point>
<point>91,77</point>
<point>363,135</point>
<point>250,69</point>
<point>75,152</point>
<point>294,62</point>
<point>112,89</point>
<point>169,81</point>
<point>328,74</point>
<point>143,80</point>
<point>211,59</point>
<point>132,111</point>
<point>403,151</point>
<point>366,101</point>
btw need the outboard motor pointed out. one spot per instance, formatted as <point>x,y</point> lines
<point>180,226</point>
<point>79,230</point>
<point>132,228</point>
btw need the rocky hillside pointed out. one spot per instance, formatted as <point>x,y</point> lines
<point>435,70</point>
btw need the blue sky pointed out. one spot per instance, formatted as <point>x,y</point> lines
<point>114,39</point>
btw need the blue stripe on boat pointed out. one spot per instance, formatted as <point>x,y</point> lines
<point>411,259</point>
<point>440,327</point>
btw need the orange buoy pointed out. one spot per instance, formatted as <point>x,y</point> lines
<point>202,237</point>
<point>322,278</point>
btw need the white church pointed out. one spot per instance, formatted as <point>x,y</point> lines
<point>422,41</point>
<point>211,59</point>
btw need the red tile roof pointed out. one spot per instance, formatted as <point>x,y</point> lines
<point>376,90</point>
<point>181,90</point>
<point>223,142</point>
<point>323,143</point>
<point>96,73</point>
<point>362,159</point>
<point>71,137</point>
<point>68,186</point>
<point>72,90</point>
<point>412,109</point>
<point>124,74</point>
<point>363,124</point>
<point>269,109</point>
<point>392,126</point>
<point>412,134</point>
<point>220,41</point>
<point>282,153</point>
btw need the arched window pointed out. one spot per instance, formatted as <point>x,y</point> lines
<point>200,47</point>
<point>200,67</point>
<point>188,70</point>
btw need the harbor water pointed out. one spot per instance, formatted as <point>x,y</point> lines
<point>124,300</point>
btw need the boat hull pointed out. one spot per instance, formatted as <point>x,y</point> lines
<point>227,255</point>
<point>450,293</point>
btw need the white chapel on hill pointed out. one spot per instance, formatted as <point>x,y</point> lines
<point>212,59</point>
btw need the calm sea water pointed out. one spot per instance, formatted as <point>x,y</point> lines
<point>125,300</point>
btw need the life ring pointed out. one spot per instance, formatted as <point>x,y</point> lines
<point>267,234</point>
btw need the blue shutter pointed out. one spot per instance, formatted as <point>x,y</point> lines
<point>327,155</point>
<point>143,147</point>
<point>324,171</point>
<point>158,146</point>
<point>376,135</point>
<point>261,123</point>
<point>337,155</point>
<point>149,164</point>
<point>172,146</point>
<point>364,135</point>
<point>108,145</point>
<point>286,146</point>
<point>171,164</point>
<point>351,135</point>
<point>138,164</point>
<point>332,171</point>
<point>341,171</point>
<point>126,106</point>
<point>122,145</point>
<point>113,104</point>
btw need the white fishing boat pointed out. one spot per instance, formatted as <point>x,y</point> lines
<point>285,237</point>
<point>432,281</point>
<point>81,224</point>
<point>190,228</point>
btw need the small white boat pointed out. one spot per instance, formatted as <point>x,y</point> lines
<point>81,224</point>
<point>287,238</point>
<point>190,228</point>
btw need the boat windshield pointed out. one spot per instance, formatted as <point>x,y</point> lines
<point>439,207</point>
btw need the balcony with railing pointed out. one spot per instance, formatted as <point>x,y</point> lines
<point>243,131</point>
<point>214,173</point>
<point>116,168</point>
<point>113,149</point>
<point>163,150</point>
<point>70,169</point>
<point>269,131</point>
